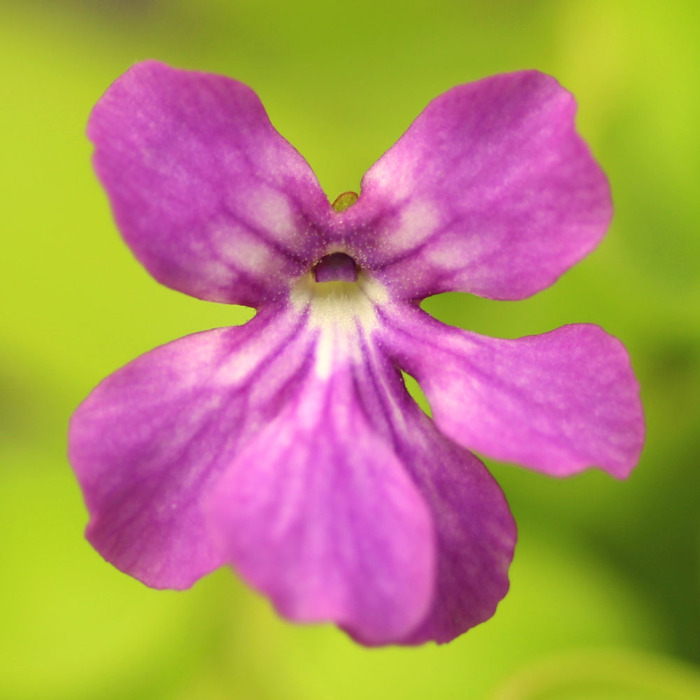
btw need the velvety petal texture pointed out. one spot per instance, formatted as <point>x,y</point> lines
<point>209,197</point>
<point>475,531</point>
<point>151,438</point>
<point>351,507</point>
<point>319,514</point>
<point>557,402</point>
<point>289,447</point>
<point>490,191</point>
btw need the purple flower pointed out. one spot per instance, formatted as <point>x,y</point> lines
<point>289,447</point>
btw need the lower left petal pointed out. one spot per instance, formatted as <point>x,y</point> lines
<point>475,532</point>
<point>153,437</point>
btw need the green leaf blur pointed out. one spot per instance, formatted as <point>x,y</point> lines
<point>604,594</point>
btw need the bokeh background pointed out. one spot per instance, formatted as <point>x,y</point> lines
<point>604,597</point>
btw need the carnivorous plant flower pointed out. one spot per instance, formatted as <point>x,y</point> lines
<point>289,447</point>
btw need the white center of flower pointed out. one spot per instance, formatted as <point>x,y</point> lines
<point>342,314</point>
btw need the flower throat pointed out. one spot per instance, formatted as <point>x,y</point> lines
<point>338,267</point>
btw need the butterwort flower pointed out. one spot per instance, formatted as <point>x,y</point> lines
<point>289,447</point>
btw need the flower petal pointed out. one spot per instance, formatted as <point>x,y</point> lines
<point>319,514</point>
<point>476,534</point>
<point>210,198</point>
<point>557,402</point>
<point>490,191</point>
<point>152,438</point>
<point>475,531</point>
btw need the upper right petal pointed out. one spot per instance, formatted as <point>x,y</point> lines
<point>490,191</point>
<point>207,194</point>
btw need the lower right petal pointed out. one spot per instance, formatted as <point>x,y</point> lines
<point>557,403</point>
<point>475,533</point>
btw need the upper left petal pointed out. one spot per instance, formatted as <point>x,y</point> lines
<point>210,198</point>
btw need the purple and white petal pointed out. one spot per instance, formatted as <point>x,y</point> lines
<point>476,535</point>
<point>475,531</point>
<point>490,191</point>
<point>152,438</point>
<point>351,507</point>
<point>318,511</point>
<point>210,198</point>
<point>319,514</point>
<point>557,402</point>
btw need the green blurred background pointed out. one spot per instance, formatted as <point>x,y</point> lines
<point>604,597</point>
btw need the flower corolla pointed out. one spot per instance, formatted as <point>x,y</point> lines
<point>289,447</point>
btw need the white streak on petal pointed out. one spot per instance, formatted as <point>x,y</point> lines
<point>398,182</point>
<point>242,249</point>
<point>190,358</point>
<point>338,313</point>
<point>269,210</point>
<point>419,220</point>
<point>217,277</point>
<point>287,361</point>
<point>451,251</point>
<point>249,355</point>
